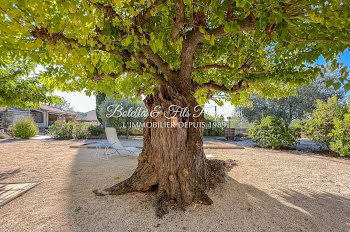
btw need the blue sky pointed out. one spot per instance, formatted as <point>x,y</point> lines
<point>344,58</point>
<point>81,102</point>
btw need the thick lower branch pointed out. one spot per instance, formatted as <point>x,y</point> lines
<point>241,85</point>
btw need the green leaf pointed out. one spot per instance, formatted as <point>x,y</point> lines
<point>212,40</point>
<point>347,87</point>
<point>127,40</point>
<point>336,86</point>
<point>188,2</point>
<point>329,83</point>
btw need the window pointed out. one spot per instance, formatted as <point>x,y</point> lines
<point>38,116</point>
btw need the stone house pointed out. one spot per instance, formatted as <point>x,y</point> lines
<point>44,116</point>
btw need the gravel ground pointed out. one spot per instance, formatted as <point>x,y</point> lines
<point>303,144</point>
<point>268,190</point>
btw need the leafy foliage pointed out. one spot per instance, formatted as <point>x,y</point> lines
<point>214,125</point>
<point>19,88</point>
<point>295,107</point>
<point>340,136</point>
<point>100,97</point>
<point>69,130</point>
<point>95,130</point>
<point>321,123</point>
<point>80,131</point>
<point>110,112</point>
<point>131,47</point>
<point>25,127</point>
<point>61,130</point>
<point>271,132</point>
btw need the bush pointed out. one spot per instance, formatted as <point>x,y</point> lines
<point>96,130</point>
<point>215,129</point>
<point>271,132</point>
<point>214,125</point>
<point>25,128</point>
<point>61,130</point>
<point>80,131</point>
<point>69,130</point>
<point>321,123</point>
<point>340,136</point>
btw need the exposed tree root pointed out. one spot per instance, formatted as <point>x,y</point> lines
<point>121,188</point>
<point>163,201</point>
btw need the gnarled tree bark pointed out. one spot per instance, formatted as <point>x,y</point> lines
<point>172,160</point>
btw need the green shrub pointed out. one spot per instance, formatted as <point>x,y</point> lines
<point>340,136</point>
<point>214,125</point>
<point>96,130</point>
<point>61,130</point>
<point>80,131</point>
<point>69,130</point>
<point>271,132</point>
<point>321,122</point>
<point>25,127</point>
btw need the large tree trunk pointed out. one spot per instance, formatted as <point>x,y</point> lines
<point>172,160</point>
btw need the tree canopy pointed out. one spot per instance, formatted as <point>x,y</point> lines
<point>19,86</point>
<point>203,47</point>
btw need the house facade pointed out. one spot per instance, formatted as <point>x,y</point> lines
<point>90,117</point>
<point>44,116</point>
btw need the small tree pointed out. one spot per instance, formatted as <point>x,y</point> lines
<point>321,123</point>
<point>110,112</point>
<point>100,98</point>
<point>295,107</point>
<point>63,105</point>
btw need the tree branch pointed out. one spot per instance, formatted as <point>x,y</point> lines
<point>304,40</point>
<point>108,11</point>
<point>100,76</point>
<point>244,67</point>
<point>158,77</point>
<point>229,16</point>
<point>194,37</point>
<point>143,17</point>
<point>216,66</point>
<point>158,61</point>
<point>241,85</point>
<point>179,20</point>
<point>53,38</point>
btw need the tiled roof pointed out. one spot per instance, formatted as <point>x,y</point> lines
<point>55,110</point>
<point>50,109</point>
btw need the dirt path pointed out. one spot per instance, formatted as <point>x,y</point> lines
<point>266,191</point>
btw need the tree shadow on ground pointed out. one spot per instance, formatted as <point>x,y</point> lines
<point>12,140</point>
<point>7,174</point>
<point>237,206</point>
